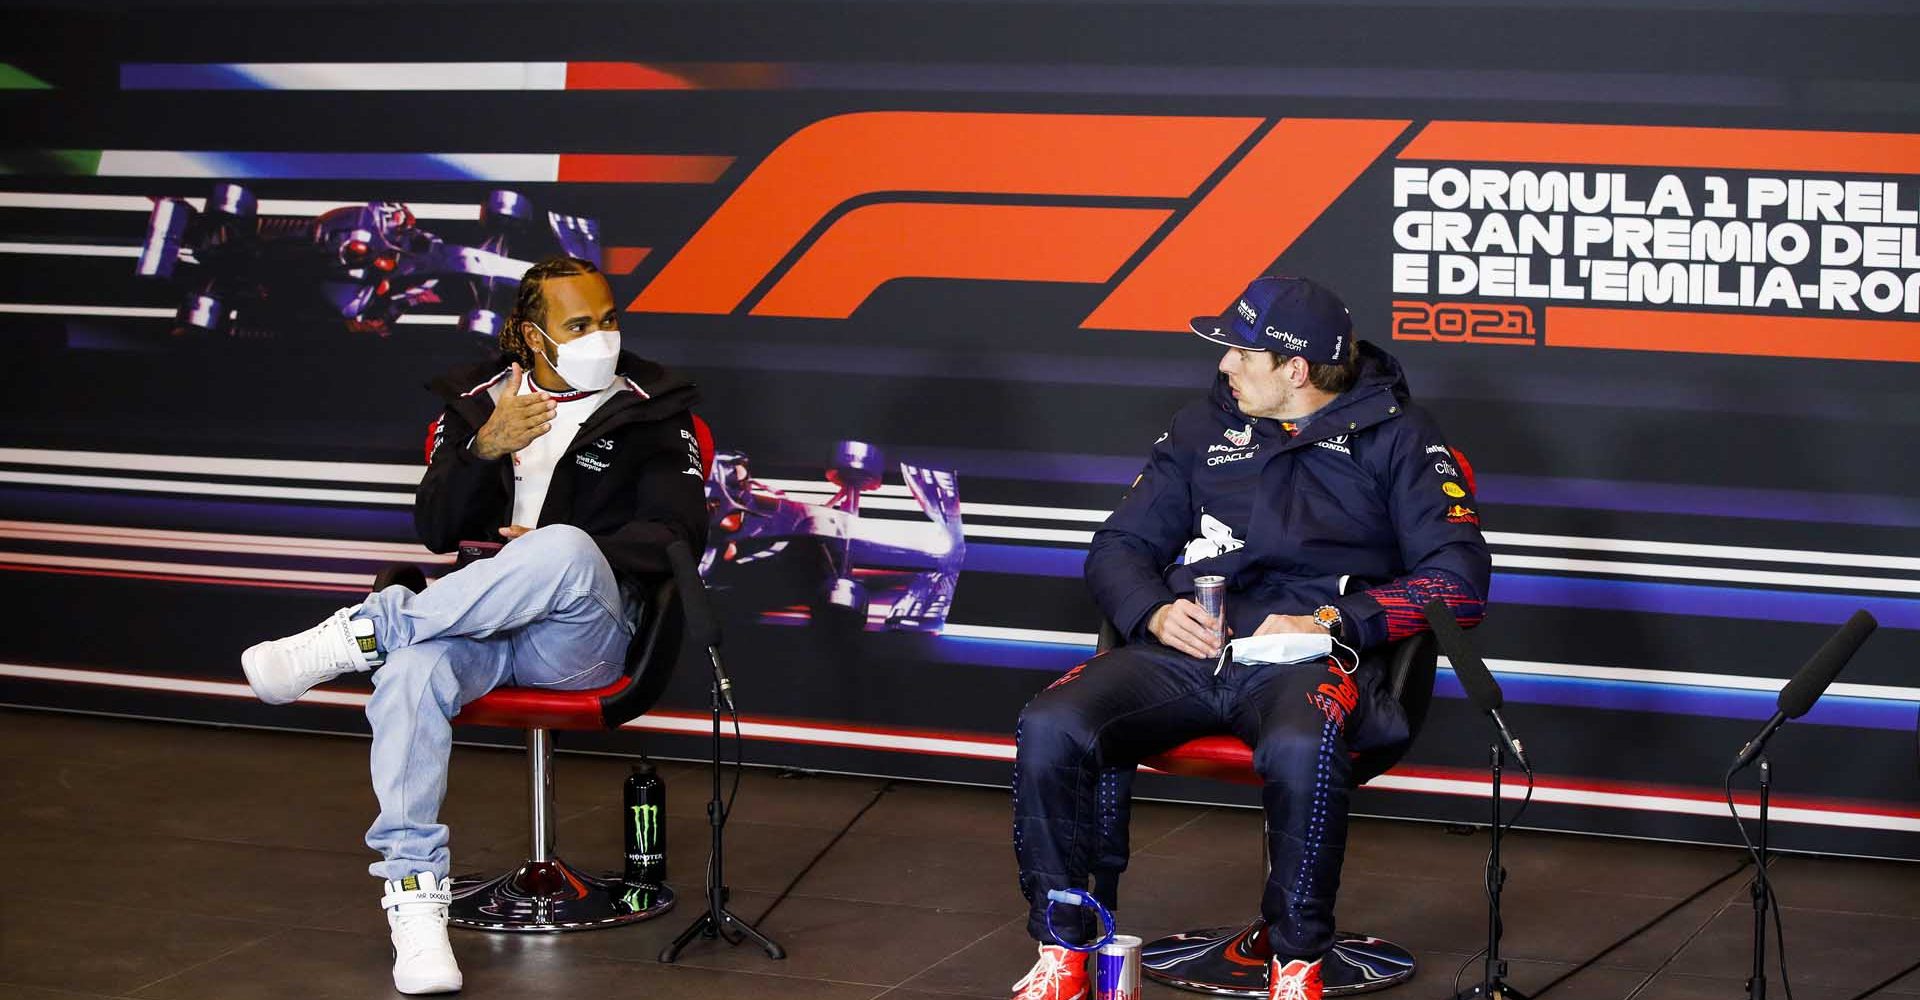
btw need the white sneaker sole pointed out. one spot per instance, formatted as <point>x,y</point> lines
<point>251,664</point>
<point>451,985</point>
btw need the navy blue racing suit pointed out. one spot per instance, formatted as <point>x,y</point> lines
<point>1361,506</point>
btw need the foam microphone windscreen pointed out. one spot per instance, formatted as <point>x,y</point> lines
<point>701,629</point>
<point>1482,690</point>
<point>1811,682</point>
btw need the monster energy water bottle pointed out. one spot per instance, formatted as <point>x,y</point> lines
<point>645,833</point>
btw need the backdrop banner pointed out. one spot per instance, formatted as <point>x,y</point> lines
<point>1656,272</point>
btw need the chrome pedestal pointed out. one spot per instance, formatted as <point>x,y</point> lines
<point>545,893</point>
<point>1233,962</point>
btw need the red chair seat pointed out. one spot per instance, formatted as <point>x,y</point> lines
<point>1223,758</point>
<point>540,708</point>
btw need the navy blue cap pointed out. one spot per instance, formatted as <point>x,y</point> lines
<point>1284,316</point>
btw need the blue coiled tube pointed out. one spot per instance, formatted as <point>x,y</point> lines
<point>1078,897</point>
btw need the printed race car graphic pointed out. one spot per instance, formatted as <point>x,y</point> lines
<point>787,557</point>
<point>363,265</point>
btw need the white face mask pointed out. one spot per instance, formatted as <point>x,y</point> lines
<point>1282,647</point>
<point>585,362</point>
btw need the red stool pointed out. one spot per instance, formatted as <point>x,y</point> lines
<point>1232,961</point>
<point>545,893</point>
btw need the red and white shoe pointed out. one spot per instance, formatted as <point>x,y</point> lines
<point>1060,974</point>
<point>1295,980</point>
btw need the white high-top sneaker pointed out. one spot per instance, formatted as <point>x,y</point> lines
<point>417,914</point>
<point>281,670</point>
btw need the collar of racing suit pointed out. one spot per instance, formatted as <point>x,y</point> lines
<point>1378,395</point>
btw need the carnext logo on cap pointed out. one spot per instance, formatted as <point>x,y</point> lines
<point>1247,312</point>
<point>1294,344</point>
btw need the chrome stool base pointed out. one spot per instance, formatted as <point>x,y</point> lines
<point>1232,962</point>
<point>552,896</point>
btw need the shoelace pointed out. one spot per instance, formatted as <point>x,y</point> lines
<point>311,657</point>
<point>1290,987</point>
<point>415,938</point>
<point>1045,975</point>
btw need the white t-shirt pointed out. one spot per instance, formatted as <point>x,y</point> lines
<point>533,465</point>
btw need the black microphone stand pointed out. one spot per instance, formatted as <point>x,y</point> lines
<point>1494,985</point>
<point>1757,985</point>
<point>718,921</point>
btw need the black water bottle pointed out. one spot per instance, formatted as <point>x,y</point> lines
<point>646,834</point>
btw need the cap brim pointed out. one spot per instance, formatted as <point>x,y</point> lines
<point>1214,329</point>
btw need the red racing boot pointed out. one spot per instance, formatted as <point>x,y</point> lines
<point>1295,980</point>
<point>1060,974</point>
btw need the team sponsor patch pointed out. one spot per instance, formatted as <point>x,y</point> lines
<point>1445,468</point>
<point>1336,697</point>
<point>1438,449</point>
<point>1462,514</point>
<point>1338,444</point>
<point>1240,438</point>
<point>1453,490</point>
<point>693,454</point>
<point>593,463</point>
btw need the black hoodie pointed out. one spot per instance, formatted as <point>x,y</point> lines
<point>631,477</point>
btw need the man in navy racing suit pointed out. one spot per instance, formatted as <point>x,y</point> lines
<point>1330,503</point>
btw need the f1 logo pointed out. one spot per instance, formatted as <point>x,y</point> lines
<point>851,194</point>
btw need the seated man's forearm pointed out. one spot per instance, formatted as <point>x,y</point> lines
<point>1402,600</point>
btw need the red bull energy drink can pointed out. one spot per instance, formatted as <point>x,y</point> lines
<point>1210,592</point>
<point>1116,969</point>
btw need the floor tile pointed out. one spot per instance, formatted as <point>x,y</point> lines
<point>984,967</point>
<point>331,964</point>
<point>845,941</point>
<point>88,947</point>
<point>1851,885</point>
<point>1681,986</point>
<point>1824,948</point>
<point>919,871</point>
<point>201,878</point>
<point>1654,946</point>
<point>15,991</point>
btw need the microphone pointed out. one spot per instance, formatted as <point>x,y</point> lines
<point>698,611</point>
<point>1810,682</point>
<point>1483,692</point>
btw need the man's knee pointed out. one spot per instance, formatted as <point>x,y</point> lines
<point>566,551</point>
<point>560,541</point>
<point>1054,730</point>
<point>1294,753</point>
<point>411,671</point>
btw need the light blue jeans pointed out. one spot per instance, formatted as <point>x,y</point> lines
<point>545,611</point>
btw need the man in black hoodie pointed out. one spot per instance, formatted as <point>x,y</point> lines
<point>584,459</point>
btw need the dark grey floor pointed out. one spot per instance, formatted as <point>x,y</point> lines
<point>155,860</point>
